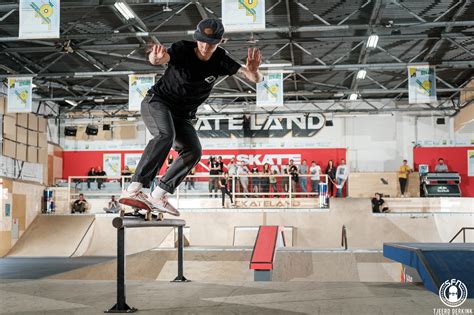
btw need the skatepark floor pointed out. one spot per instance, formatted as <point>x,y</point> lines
<point>36,268</point>
<point>160,297</point>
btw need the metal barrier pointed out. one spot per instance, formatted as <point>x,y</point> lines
<point>137,222</point>
<point>205,186</point>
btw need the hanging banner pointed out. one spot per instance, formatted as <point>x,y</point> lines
<point>112,162</point>
<point>19,95</point>
<point>470,162</point>
<point>421,84</point>
<point>39,19</point>
<point>243,15</point>
<point>138,85</point>
<point>270,90</point>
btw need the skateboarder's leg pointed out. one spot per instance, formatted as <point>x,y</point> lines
<point>159,121</point>
<point>189,150</point>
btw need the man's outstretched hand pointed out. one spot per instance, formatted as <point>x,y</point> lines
<point>158,55</point>
<point>254,59</point>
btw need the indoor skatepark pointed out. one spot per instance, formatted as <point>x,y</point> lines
<point>365,85</point>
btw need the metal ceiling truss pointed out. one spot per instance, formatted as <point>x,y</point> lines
<point>84,46</point>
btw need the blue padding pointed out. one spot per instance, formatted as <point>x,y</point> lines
<point>449,265</point>
<point>435,263</point>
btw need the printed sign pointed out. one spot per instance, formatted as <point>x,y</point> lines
<point>470,162</point>
<point>39,19</point>
<point>138,85</point>
<point>131,160</point>
<point>270,90</point>
<point>19,95</point>
<point>112,162</point>
<point>243,15</point>
<point>421,84</point>
<point>260,126</point>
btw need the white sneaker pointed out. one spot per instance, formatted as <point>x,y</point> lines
<point>162,205</point>
<point>127,194</point>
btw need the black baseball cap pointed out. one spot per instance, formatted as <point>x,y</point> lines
<point>209,31</point>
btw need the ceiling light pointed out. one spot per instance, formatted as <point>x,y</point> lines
<point>71,102</point>
<point>361,74</point>
<point>124,10</point>
<point>353,97</point>
<point>372,41</point>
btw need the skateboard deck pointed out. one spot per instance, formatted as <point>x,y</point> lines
<point>138,205</point>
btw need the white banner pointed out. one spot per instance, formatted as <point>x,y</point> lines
<point>470,162</point>
<point>270,90</point>
<point>112,163</point>
<point>421,84</point>
<point>138,85</point>
<point>19,95</point>
<point>243,15</point>
<point>39,19</point>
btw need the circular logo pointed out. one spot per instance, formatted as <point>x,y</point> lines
<point>453,293</point>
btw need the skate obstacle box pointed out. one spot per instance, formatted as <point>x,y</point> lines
<point>137,222</point>
<point>434,263</point>
<point>269,238</point>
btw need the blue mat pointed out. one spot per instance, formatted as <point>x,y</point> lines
<point>436,262</point>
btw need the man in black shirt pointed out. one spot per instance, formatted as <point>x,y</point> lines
<point>169,106</point>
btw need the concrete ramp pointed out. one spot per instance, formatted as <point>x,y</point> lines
<point>232,264</point>
<point>52,236</point>
<point>101,239</point>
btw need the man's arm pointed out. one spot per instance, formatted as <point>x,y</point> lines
<point>158,55</point>
<point>250,70</point>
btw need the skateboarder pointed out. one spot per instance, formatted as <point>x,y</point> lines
<point>169,106</point>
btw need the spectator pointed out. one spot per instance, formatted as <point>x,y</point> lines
<point>91,173</point>
<point>342,173</point>
<point>255,179</point>
<point>220,165</point>
<point>265,180</point>
<point>441,167</point>
<point>223,184</point>
<point>126,172</point>
<point>113,206</point>
<point>285,183</point>
<point>403,173</point>
<point>315,172</point>
<point>293,170</point>
<point>80,205</point>
<point>303,171</point>
<point>214,178</point>
<point>232,170</point>
<point>331,173</point>
<point>378,204</point>
<point>273,181</point>
<point>242,172</point>
<point>100,181</point>
<point>191,180</point>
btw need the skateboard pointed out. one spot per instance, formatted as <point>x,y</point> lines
<point>138,205</point>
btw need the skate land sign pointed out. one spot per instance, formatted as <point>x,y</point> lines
<point>260,126</point>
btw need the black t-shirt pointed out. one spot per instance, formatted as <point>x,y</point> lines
<point>294,173</point>
<point>213,165</point>
<point>188,81</point>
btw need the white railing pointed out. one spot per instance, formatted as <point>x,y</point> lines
<point>203,187</point>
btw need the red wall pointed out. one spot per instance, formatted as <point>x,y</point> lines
<point>78,163</point>
<point>454,157</point>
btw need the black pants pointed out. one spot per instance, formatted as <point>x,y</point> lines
<point>403,184</point>
<point>224,192</point>
<point>167,130</point>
